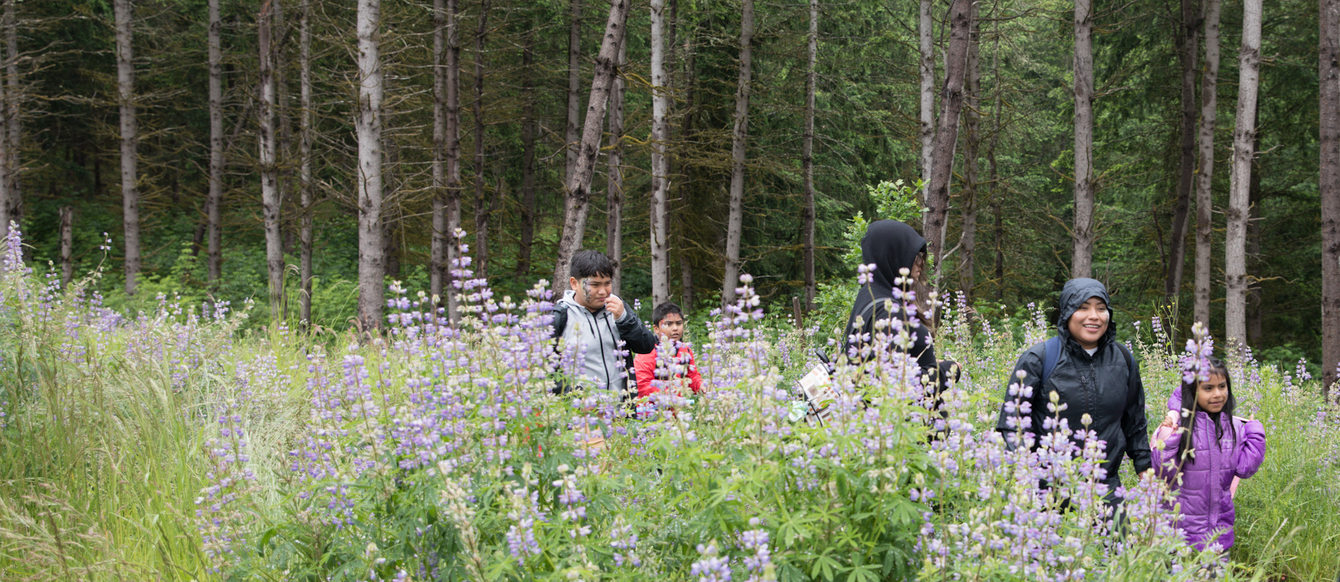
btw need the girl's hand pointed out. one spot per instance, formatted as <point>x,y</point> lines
<point>1170,419</point>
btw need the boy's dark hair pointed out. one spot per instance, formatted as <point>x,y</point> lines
<point>588,263</point>
<point>663,310</point>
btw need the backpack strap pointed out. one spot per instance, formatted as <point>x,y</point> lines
<point>560,321</point>
<point>1050,356</point>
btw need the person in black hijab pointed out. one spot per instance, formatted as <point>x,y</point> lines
<point>891,246</point>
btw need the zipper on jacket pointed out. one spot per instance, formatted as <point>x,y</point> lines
<point>600,339</point>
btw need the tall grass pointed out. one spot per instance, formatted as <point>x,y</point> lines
<point>119,430</point>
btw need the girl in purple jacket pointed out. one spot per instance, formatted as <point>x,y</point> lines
<point>1203,455</point>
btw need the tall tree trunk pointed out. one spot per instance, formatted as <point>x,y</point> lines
<point>1188,41</point>
<point>1081,263</point>
<point>368,124</point>
<point>807,156</point>
<point>1329,186</point>
<point>576,206</point>
<point>283,129</point>
<point>926,36</point>
<point>998,235</point>
<point>739,140</point>
<point>270,202</point>
<point>13,112</point>
<point>686,293</point>
<point>6,193</point>
<point>1252,301</point>
<point>946,132</point>
<point>1244,131</point>
<point>570,133</point>
<point>130,197</point>
<point>614,194</point>
<point>1209,103</point>
<point>446,164</point>
<point>305,187</point>
<point>483,206</point>
<point>528,131</point>
<point>214,200</point>
<point>437,267</point>
<point>660,161</point>
<point>66,245</point>
<point>971,143</point>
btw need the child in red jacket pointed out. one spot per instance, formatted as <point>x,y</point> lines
<point>653,373</point>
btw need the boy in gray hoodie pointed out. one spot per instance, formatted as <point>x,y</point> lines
<point>591,317</point>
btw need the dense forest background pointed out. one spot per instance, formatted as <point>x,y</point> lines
<point>1013,168</point>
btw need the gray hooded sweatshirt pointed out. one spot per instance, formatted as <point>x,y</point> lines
<point>598,334</point>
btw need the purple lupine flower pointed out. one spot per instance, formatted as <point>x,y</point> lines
<point>229,478</point>
<point>1199,350</point>
<point>624,541</point>
<point>710,567</point>
<point>525,513</point>
<point>759,563</point>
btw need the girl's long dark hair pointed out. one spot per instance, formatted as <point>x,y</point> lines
<point>1184,444</point>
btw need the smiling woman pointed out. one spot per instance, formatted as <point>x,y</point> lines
<point>1089,323</point>
<point>1090,380</point>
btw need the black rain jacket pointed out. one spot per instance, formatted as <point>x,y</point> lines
<point>889,245</point>
<point>1105,385</point>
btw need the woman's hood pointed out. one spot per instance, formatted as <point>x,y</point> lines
<point>890,245</point>
<point>1073,295</point>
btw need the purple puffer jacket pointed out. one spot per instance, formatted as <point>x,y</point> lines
<point>1204,497</point>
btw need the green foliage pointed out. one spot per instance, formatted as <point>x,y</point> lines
<point>106,456</point>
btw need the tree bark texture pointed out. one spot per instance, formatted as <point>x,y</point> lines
<point>130,197</point>
<point>446,164</point>
<point>614,183</point>
<point>1329,185</point>
<point>6,193</point>
<point>269,170</point>
<point>214,199</point>
<point>971,144</point>
<point>368,125</point>
<point>66,245</point>
<point>946,132</point>
<point>739,141</point>
<point>1209,103</point>
<point>660,161</point>
<point>1081,262</point>
<point>13,112</point>
<point>437,265</point>
<point>1238,212</point>
<point>483,202</point>
<point>807,157</point>
<point>1188,41</point>
<point>570,132</point>
<point>926,68</point>
<point>577,204</point>
<point>305,134</point>
<point>526,234</point>
<point>993,169</point>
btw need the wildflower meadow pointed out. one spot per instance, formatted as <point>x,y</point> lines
<point>179,443</point>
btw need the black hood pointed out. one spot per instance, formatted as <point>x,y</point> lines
<point>890,245</point>
<point>1073,295</point>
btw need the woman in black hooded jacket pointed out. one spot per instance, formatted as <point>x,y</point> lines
<point>1092,375</point>
<point>891,246</point>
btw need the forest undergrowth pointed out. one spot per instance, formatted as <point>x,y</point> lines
<point>175,444</point>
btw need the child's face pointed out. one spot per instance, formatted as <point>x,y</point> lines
<point>671,326</point>
<point>1212,394</point>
